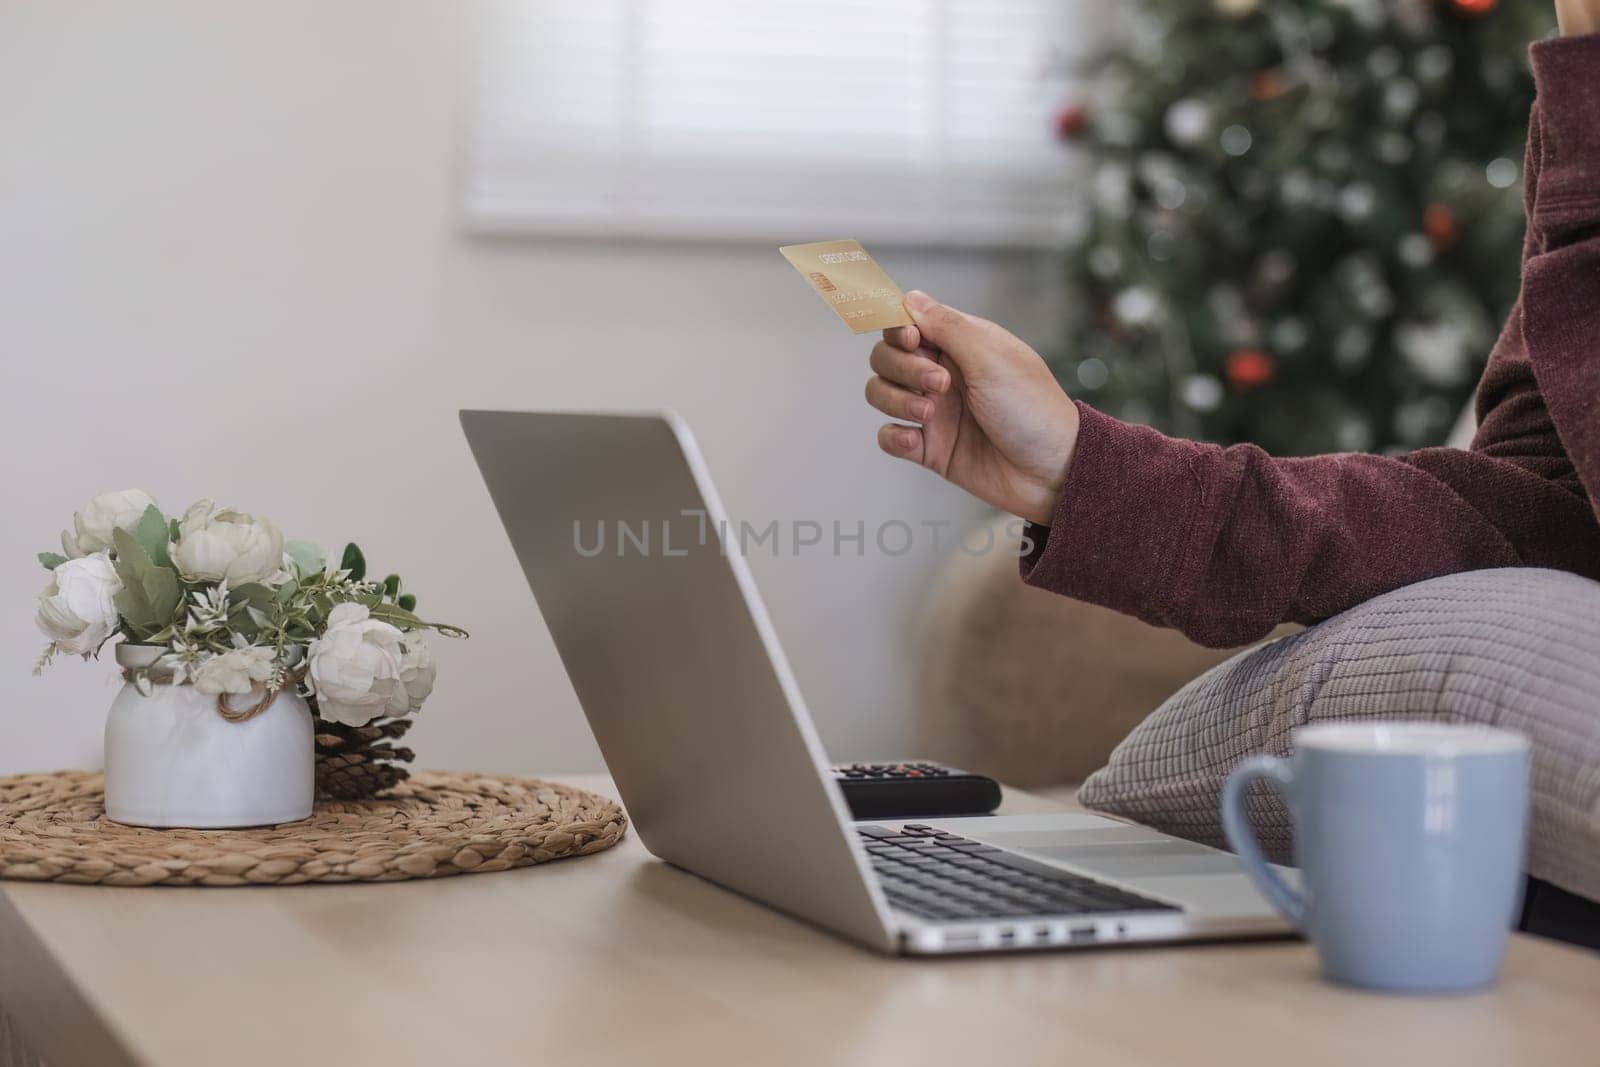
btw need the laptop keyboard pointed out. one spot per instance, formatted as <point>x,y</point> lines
<point>936,875</point>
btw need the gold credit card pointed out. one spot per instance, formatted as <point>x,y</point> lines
<point>851,282</point>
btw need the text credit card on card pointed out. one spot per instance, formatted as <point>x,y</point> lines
<point>851,283</point>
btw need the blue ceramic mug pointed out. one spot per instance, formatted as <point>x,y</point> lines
<point>1409,838</point>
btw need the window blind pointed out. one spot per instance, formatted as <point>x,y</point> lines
<point>915,121</point>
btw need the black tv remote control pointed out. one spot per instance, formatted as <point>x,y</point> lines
<point>914,790</point>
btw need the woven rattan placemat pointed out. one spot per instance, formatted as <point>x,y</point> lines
<point>53,829</point>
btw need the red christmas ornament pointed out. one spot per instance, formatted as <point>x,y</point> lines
<point>1071,121</point>
<point>1267,85</point>
<point>1475,8</point>
<point>1248,368</point>
<point>1439,223</point>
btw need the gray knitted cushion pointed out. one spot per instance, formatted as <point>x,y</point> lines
<point>1514,648</point>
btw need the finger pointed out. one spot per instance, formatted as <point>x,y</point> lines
<point>902,442</point>
<point>898,403</point>
<point>959,335</point>
<point>910,370</point>
<point>906,338</point>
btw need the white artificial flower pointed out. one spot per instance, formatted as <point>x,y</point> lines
<point>354,668</point>
<point>92,527</point>
<point>77,610</point>
<point>285,572</point>
<point>417,670</point>
<point>226,546</point>
<point>237,671</point>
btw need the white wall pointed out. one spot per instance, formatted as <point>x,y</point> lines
<point>230,267</point>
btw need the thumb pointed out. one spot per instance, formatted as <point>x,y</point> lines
<point>957,334</point>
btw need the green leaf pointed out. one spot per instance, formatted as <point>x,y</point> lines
<point>391,585</point>
<point>354,562</point>
<point>395,615</point>
<point>252,607</point>
<point>164,593</point>
<point>173,530</point>
<point>134,609</point>
<point>308,558</point>
<point>51,560</point>
<point>399,617</point>
<point>130,565</point>
<point>407,602</point>
<point>149,598</point>
<point>251,592</point>
<point>152,533</point>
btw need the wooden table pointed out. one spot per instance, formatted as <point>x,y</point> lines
<point>620,959</point>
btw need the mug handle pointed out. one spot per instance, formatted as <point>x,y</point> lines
<point>1243,840</point>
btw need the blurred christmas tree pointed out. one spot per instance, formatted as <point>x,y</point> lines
<point>1303,218</point>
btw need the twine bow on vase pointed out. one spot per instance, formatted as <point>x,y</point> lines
<point>291,679</point>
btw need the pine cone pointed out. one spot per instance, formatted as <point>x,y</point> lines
<point>355,762</point>
<point>359,781</point>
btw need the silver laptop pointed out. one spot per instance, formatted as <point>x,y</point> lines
<point>704,730</point>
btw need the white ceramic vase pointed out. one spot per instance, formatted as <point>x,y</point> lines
<point>172,760</point>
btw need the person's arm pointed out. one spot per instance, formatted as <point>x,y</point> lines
<point>1224,543</point>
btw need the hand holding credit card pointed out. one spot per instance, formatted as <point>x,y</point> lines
<point>1010,448</point>
<point>851,283</point>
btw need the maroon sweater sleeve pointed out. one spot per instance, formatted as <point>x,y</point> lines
<point>1225,543</point>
